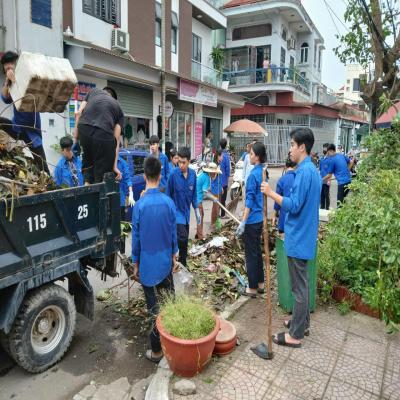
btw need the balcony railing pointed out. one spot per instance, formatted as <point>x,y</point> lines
<point>273,75</point>
<point>206,74</point>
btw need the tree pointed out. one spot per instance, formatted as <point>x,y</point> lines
<point>373,40</point>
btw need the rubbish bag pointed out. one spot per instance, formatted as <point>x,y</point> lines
<point>182,280</point>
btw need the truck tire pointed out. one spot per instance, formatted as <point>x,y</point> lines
<point>43,328</point>
<point>4,342</point>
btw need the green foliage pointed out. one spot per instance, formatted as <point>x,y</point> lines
<point>187,317</point>
<point>383,153</point>
<point>344,307</point>
<point>217,55</point>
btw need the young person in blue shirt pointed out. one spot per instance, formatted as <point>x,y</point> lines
<point>68,172</point>
<point>252,222</point>
<point>326,184</point>
<point>283,188</point>
<point>24,126</point>
<point>340,166</point>
<point>181,187</point>
<point>154,246</point>
<point>154,142</point>
<point>174,160</point>
<point>125,186</point>
<point>216,190</point>
<point>204,181</point>
<point>301,231</point>
<point>225,166</point>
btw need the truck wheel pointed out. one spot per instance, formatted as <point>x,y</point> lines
<point>4,342</point>
<point>43,329</point>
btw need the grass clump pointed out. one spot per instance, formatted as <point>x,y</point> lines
<point>186,317</point>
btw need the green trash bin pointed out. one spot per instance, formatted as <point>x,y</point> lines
<point>285,296</point>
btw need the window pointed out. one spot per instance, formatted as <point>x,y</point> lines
<point>249,32</point>
<point>158,24</point>
<point>174,32</point>
<point>315,55</point>
<point>284,33</point>
<point>304,53</point>
<point>348,81</point>
<point>41,12</point>
<point>356,85</point>
<point>196,48</point>
<point>107,10</point>
<point>319,60</point>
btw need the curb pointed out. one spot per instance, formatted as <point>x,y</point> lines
<point>159,385</point>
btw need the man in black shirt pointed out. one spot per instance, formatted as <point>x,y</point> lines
<point>98,126</point>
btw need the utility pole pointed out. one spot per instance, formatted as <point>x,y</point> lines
<point>163,86</point>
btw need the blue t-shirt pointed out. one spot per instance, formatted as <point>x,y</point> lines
<point>69,173</point>
<point>165,172</point>
<point>254,197</point>
<point>203,185</point>
<point>216,185</point>
<point>154,237</point>
<point>324,164</point>
<point>225,168</point>
<point>284,187</point>
<point>338,166</point>
<point>302,208</point>
<point>126,180</point>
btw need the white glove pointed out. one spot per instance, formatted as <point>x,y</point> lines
<point>131,201</point>
<point>198,216</point>
<point>240,229</point>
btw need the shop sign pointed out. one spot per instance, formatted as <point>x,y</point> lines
<point>169,109</point>
<point>196,93</point>
<point>198,129</point>
<point>80,91</point>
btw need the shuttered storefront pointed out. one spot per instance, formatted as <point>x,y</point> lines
<point>213,112</point>
<point>134,101</point>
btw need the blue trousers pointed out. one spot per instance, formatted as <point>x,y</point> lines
<point>253,254</point>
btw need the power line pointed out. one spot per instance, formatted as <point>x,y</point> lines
<point>331,9</point>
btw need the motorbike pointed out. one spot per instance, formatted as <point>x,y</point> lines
<point>237,185</point>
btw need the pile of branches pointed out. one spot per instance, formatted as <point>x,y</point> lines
<point>19,175</point>
<point>220,273</point>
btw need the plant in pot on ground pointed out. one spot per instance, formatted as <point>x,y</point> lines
<point>188,329</point>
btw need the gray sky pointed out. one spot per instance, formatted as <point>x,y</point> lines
<point>333,71</point>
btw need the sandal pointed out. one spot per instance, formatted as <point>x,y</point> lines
<point>260,290</point>
<point>287,326</point>
<point>251,295</point>
<point>280,340</point>
<point>150,357</point>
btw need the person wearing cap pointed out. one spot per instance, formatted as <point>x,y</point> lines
<point>68,172</point>
<point>208,174</point>
<point>154,143</point>
<point>24,126</point>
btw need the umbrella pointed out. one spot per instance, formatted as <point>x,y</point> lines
<point>246,126</point>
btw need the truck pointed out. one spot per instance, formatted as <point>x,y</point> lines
<point>53,237</point>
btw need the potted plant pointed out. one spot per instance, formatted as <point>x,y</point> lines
<point>188,330</point>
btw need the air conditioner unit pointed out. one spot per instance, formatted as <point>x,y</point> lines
<point>291,44</point>
<point>119,40</point>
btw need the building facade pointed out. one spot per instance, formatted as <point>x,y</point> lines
<point>350,92</point>
<point>118,43</point>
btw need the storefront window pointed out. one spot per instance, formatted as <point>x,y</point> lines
<point>181,130</point>
<point>188,131</point>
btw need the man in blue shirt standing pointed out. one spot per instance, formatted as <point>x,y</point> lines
<point>154,246</point>
<point>68,172</point>
<point>154,142</point>
<point>340,166</point>
<point>301,232</point>
<point>225,166</point>
<point>326,184</point>
<point>24,126</point>
<point>283,188</point>
<point>181,187</point>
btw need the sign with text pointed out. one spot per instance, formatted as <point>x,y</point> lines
<point>198,94</point>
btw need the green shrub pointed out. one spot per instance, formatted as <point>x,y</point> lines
<point>187,318</point>
<point>361,247</point>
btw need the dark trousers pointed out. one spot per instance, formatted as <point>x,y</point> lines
<point>342,192</point>
<point>253,255</point>
<point>152,294</point>
<point>223,199</point>
<point>98,152</point>
<point>183,239</point>
<point>325,197</point>
<point>122,242</point>
<point>39,156</point>
<point>298,273</point>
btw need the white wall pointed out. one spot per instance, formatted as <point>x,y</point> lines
<point>94,30</point>
<point>205,33</point>
<point>175,56</point>
<point>226,118</point>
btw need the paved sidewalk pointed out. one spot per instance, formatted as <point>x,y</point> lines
<point>345,357</point>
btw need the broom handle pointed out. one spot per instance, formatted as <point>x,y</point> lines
<point>227,211</point>
<point>267,269</point>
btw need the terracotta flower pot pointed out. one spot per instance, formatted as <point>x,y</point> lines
<point>187,357</point>
<point>226,338</point>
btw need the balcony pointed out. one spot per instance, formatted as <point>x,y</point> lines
<point>206,74</point>
<point>264,77</point>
